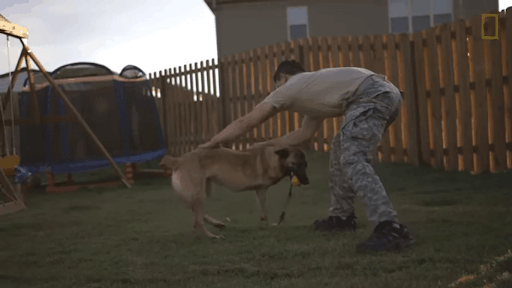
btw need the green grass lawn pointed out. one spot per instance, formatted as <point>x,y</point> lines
<point>142,237</point>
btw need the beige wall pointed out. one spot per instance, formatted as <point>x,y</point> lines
<point>472,8</point>
<point>242,27</point>
<point>245,26</point>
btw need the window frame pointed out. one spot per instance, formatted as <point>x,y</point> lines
<point>288,20</point>
<point>409,15</point>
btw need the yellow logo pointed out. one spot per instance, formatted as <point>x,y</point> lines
<point>496,21</point>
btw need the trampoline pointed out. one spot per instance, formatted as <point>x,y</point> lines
<point>119,108</point>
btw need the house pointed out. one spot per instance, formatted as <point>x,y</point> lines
<point>247,24</point>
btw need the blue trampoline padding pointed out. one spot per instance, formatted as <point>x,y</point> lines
<point>90,165</point>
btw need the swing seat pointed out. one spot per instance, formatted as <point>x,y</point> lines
<point>8,163</point>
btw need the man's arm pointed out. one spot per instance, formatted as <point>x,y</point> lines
<point>309,126</point>
<point>258,115</point>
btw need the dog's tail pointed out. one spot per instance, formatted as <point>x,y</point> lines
<point>169,162</point>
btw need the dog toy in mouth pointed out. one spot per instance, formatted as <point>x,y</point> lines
<point>295,181</point>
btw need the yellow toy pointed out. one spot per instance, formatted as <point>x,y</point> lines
<point>295,181</point>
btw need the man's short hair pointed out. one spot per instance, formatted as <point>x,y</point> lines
<point>288,67</point>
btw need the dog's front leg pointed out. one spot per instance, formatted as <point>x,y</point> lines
<point>262,201</point>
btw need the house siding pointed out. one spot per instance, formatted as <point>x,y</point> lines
<point>245,26</point>
<point>472,8</point>
<point>242,27</point>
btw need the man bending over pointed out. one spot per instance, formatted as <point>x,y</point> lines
<point>370,104</point>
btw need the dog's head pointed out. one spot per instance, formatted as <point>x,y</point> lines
<point>294,161</point>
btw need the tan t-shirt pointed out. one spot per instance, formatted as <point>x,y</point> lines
<point>324,93</point>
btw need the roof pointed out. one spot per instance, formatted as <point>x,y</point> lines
<point>224,2</point>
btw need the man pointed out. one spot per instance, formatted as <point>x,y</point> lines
<point>370,104</point>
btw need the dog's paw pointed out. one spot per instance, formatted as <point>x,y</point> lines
<point>275,224</point>
<point>219,237</point>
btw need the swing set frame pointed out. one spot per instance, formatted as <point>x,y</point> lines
<point>21,33</point>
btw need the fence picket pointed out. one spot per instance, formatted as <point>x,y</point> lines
<point>186,125</point>
<point>419,56</point>
<point>198,106</point>
<point>450,110</point>
<point>497,117</point>
<point>480,116</point>
<point>355,52</point>
<point>435,123</point>
<point>217,103</point>
<point>176,113</point>
<point>207,97</point>
<point>225,91</point>
<point>164,99</point>
<point>203,101</point>
<point>464,96</point>
<point>170,104</point>
<point>411,99</point>
<point>230,99</point>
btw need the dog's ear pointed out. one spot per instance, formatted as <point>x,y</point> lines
<point>283,153</point>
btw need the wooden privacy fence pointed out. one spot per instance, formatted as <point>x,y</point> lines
<point>457,109</point>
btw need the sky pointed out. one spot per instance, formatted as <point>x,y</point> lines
<point>151,34</point>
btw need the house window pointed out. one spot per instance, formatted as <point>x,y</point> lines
<point>400,24</point>
<point>399,16</point>
<point>298,24</point>
<point>420,22</point>
<point>442,10</point>
<point>416,15</point>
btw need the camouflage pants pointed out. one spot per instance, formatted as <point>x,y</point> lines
<point>351,172</point>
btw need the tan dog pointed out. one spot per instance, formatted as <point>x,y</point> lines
<point>257,169</point>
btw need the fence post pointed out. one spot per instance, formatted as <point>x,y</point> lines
<point>413,144</point>
<point>222,91</point>
<point>163,94</point>
<point>415,109</point>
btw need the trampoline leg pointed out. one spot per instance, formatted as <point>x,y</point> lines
<point>50,178</point>
<point>69,178</point>
<point>128,172</point>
